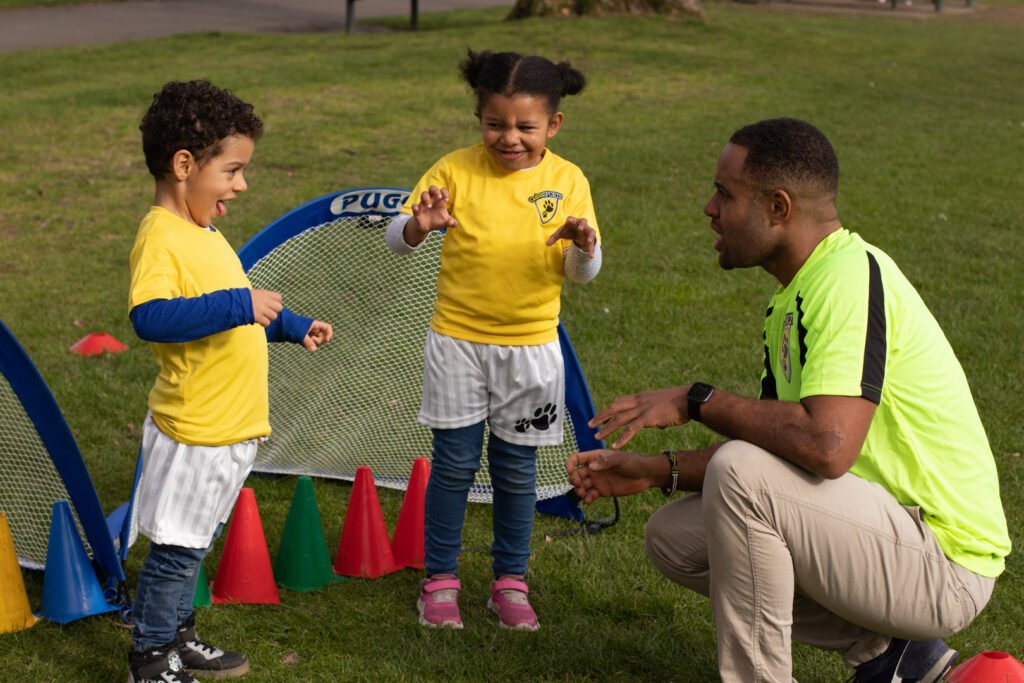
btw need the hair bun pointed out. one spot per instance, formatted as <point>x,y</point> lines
<point>473,65</point>
<point>572,78</point>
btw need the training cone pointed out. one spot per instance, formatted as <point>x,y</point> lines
<point>15,614</point>
<point>202,595</point>
<point>364,549</point>
<point>96,343</point>
<point>70,588</point>
<point>244,574</point>
<point>303,563</point>
<point>988,667</point>
<point>407,543</point>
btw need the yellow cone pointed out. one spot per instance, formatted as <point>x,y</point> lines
<point>15,614</point>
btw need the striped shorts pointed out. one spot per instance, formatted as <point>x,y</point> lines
<point>520,390</point>
<point>185,490</point>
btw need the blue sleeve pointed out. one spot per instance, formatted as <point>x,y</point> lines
<point>288,327</point>
<point>186,319</point>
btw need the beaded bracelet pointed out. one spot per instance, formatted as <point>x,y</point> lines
<point>673,466</point>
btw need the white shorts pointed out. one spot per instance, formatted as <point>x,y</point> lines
<point>186,491</point>
<point>520,390</point>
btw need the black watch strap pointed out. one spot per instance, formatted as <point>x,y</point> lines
<point>698,395</point>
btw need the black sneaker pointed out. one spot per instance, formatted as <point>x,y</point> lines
<point>202,659</point>
<point>906,661</point>
<point>159,665</point>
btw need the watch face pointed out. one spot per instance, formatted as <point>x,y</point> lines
<point>700,392</point>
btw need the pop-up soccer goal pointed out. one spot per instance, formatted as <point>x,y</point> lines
<point>355,401</point>
<point>40,464</point>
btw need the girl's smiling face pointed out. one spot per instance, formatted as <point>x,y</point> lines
<point>515,129</point>
<point>210,185</point>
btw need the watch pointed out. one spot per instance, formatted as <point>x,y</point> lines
<point>698,395</point>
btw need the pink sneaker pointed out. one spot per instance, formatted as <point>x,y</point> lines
<point>438,603</point>
<point>508,600</point>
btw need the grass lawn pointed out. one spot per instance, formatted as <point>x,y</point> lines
<point>927,123</point>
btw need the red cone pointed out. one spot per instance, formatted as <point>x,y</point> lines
<point>988,667</point>
<point>407,544</point>
<point>244,574</point>
<point>364,549</point>
<point>96,343</point>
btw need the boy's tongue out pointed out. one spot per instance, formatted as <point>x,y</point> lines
<point>220,209</point>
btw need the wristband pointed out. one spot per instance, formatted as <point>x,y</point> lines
<point>673,466</point>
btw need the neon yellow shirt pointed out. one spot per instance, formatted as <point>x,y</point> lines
<point>499,283</point>
<point>212,391</point>
<point>850,324</point>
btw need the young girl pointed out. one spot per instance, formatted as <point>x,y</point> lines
<point>519,219</point>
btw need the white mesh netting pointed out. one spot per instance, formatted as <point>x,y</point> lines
<point>29,483</point>
<point>355,401</point>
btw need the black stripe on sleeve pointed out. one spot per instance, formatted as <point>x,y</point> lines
<point>873,376</point>
<point>801,331</point>
<point>768,389</point>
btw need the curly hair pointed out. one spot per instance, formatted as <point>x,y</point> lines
<point>510,73</point>
<point>195,116</point>
<point>790,154</point>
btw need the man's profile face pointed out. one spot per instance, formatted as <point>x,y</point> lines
<point>745,236</point>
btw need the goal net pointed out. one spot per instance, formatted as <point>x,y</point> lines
<point>41,464</point>
<point>355,401</point>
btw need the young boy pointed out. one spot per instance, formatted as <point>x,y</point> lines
<point>209,407</point>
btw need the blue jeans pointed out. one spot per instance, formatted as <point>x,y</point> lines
<point>164,595</point>
<point>513,470</point>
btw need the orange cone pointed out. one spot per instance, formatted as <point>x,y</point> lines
<point>244,574</point>
<point>364,549</point>
<point>994,667</point>
<point>96,343</point>
<point>15,614</point>
<point>407,544</point>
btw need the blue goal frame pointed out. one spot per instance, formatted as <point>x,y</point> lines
<point>388,201</point>
<point>42,410</point>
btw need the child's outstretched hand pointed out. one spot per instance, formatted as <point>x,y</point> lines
<point>265,306</point>
<point>319,334</point>
<point>577,230</point>
<point>429,214</point>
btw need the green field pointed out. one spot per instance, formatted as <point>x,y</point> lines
<point>927,117</point>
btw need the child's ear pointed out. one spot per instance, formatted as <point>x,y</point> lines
<point>555,124</point>
<point>183,164</point>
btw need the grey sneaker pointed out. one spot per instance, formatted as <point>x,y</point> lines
<point>203,659</point>
<point>908,661</point>
<point>158,665</point>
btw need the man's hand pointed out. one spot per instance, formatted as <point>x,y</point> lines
<point>319,334</point>
<point>265,306</point>
<point>603,473</point>
<point>577,230</point>
<point>660,408</point>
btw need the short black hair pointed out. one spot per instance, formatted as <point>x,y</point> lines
<point>510,73</point>
<point>196,116</point>
<point>790,154</point>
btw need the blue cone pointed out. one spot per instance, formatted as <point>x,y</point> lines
<point>70,588</point>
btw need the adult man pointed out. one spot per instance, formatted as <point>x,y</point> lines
<point>856,506</point>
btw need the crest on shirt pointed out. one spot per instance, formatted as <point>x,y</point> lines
<point>787,328</point>
<point>546,203</point>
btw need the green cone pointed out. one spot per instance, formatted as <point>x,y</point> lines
<point>202,596</point>
<point>302,562</point>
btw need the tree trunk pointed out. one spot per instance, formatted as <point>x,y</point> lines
<point>567,8</point>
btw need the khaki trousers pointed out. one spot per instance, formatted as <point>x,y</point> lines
<point>782,553</point>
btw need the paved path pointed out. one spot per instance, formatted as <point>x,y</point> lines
<point>45,27</point>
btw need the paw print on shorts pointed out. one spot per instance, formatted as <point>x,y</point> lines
<point>522,425</point>
<point>544,417</point>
